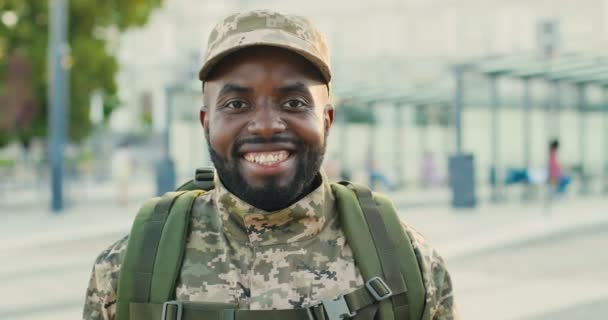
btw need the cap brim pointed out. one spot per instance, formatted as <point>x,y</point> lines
<point>282,40</point>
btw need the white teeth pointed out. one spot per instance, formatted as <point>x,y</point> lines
<point>266,158</point>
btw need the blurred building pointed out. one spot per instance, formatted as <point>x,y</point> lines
<point>398,39</point>
<point>385,41</point>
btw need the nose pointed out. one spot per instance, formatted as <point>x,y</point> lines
<point>266,122</point>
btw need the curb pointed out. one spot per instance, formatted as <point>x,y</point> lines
<point>499,239</point>
<point>523,235</point>
<point>63,236</point>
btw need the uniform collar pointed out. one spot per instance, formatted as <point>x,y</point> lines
<point>300,221</point>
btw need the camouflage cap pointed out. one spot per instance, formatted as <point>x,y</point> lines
<point>267,28</point>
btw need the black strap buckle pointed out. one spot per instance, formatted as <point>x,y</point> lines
<point>178,305</point>
<point>375,282</point>
<point>335,309</point>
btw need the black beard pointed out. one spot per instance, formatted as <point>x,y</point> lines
<point>271,197</point>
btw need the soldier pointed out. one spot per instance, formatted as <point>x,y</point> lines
<point>273,239</point>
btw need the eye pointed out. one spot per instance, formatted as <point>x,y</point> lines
<point>294,104</point>
<point>236,105</point>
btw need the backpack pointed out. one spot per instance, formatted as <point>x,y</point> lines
<point>382,250</point>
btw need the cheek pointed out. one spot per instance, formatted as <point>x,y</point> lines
<point>311,130</point>
<point>219,137</point>
<point>223,131</point>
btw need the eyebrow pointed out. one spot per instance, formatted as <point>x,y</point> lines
<point>296,87</point>
<point>234,88</point>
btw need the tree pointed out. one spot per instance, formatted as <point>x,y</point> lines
<point>93,26</point>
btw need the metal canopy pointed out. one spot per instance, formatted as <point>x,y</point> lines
<point>362,95</point>
<point>538,66</point>
<point>592,70</point>
<point>600,78</point>
<point>379,96</point>
<point>417,99</point>
<point>554,70</point>
<point>389,97</point>
<point>502,65</point>
<point>532,64</point>
<point>568,66</point>
<point>573,72</point>
<point>346,89</point>
<point>574,68</point>
<point>426,101</point>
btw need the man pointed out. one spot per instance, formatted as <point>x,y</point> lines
<point>268,236</point>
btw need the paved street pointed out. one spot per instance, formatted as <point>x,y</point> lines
<point>562,278</point>
<point>517,262</point>
<point>49,281</point>
<point>524,262</point>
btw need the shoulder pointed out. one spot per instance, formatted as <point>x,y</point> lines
<point>436,278</point>
<point>100,302</point>
<point>101,293</point>
<point>110,259</point>
<point>202,206</point>
<point>430,260</point>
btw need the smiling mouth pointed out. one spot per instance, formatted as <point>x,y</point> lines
<point>267,158</point>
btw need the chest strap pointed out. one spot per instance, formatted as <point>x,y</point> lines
<point>360,304</point>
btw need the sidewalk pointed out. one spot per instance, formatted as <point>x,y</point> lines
<point>458,234</point>
<point>90,211</point>
<point>455,233</point>
<point>52,253</point>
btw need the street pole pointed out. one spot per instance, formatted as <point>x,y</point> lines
<point>371,160</point>
<point>457,106</point>
<point>582,101</point>
<point>495,104</point>
<point>424,134</point>
<point>527,131</point>
<point>605,89</point>
<point>58,93</point>
<point>556,112</point>
<point>445,134</point>
<point>399,143</point>
<point>165,170</point>
<point>96,118</point>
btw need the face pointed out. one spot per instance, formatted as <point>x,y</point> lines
<point>266,119</point>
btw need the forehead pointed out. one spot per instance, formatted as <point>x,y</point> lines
<point>263,62</point>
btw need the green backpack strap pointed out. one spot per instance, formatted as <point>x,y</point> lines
<point>372,226</point>
<point>408,262</point>
<point>160,229</point>
<point>203,180</point>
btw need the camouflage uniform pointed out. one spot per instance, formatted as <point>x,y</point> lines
<point>286,259</point>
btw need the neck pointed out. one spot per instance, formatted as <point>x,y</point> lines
<point>271,206</point>
<point>314,184</point>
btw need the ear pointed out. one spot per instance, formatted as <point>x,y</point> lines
<point>329,116</point>
<point>203,117</point>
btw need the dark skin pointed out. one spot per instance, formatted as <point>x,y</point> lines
<point>259,102</point>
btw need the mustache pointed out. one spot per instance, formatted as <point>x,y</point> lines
<point>261,140</point>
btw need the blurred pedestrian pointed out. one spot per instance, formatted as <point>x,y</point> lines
<point>556,176</point>
<point>333,167</point>
<point>122,166</point>
<point>430,176</point>
<point>377,178</point>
